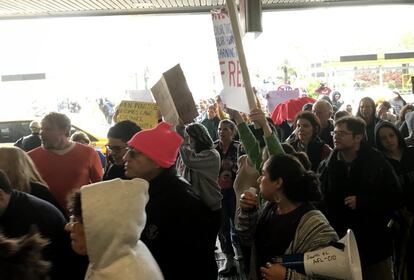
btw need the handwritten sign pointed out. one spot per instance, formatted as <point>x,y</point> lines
<point>144,114</point>
<point>238,93</point>
<point>174,98</point>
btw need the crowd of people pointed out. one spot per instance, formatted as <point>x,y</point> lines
<point>157,203</point>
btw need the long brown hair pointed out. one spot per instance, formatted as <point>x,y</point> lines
<point>20,168</point>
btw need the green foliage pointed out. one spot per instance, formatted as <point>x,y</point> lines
<point>312,86</point>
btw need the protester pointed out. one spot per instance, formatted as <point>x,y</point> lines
<point>199,164</point>
<point>307,139</point>
<point>288,223</point>
<point>24,176</point>
<point>258,147</point>
<point>383,112</point>
<point>19,212</point>
<point>228,150</point>
<point>397,102</point>
<point>82,138</point>
<point>366,111</point>
<point>21,258</point>
<point>211,121</point>
<point>31,141</point>
<point>336,101</point>
<point>401,124</point>
<point>360,192</point>
<point>177,225</point>
<point>115,251</point>
<point>340,114</point>
<point>323,110</point>
<point>63,164</point>
<point>391,143</point>
<point>118,136</point>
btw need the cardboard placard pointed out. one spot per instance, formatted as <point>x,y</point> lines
<point>144,114</point>
<point>174,98</point>
<point>238,93</point>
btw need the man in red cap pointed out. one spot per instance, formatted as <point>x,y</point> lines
<point>177,220</point>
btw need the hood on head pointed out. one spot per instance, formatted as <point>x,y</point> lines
<point>401,142</point>
<point>113,218</point>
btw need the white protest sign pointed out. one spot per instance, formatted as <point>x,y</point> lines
<point>238,93</point>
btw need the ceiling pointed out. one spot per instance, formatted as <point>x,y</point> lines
<point>12,9</point>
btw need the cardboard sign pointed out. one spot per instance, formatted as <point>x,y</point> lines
<point>144,114</point>
<point>174,98</point>
<point>238,93</point>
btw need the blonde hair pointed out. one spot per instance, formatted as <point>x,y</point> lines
<point>20,168</point>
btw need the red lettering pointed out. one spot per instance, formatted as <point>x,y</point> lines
<point>239,76</point>
<point>232,71</point>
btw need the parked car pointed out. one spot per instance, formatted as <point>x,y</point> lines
<point>11,131</point>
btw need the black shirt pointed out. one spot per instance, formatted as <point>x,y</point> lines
<point>275,232</point>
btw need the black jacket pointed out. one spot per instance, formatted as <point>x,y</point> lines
<point>316,150</point>
<point>28,143</point>
<point>405,167</point>
<point>378,194</point>
<point>176,229</point>
<point>24,211</point>
<point>113,171</point>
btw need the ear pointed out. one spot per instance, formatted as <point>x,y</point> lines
<point>359,137</point>
<point>278,183</point>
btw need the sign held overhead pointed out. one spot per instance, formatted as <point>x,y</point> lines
<point>174,98</point>
<point>238,93</point>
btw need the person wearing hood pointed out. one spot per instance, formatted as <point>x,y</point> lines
<point>391,143</point>
<point>336,101</point>
<point>409,120</point>
<point>178,225</point>
<point>199,164</point>
<point>106,222</point>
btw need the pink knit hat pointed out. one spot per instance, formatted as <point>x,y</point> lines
<point>160,144</point>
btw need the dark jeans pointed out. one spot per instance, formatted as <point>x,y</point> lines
<point>227,235</point>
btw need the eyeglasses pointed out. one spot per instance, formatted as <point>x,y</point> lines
<point>116,149</point>
<point>340,133</point>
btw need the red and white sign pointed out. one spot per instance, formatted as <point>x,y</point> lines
<point>238,93</point>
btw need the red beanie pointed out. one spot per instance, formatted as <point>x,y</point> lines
<point>160,144</point>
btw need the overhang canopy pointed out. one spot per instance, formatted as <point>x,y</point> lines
<point>12,9</point>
